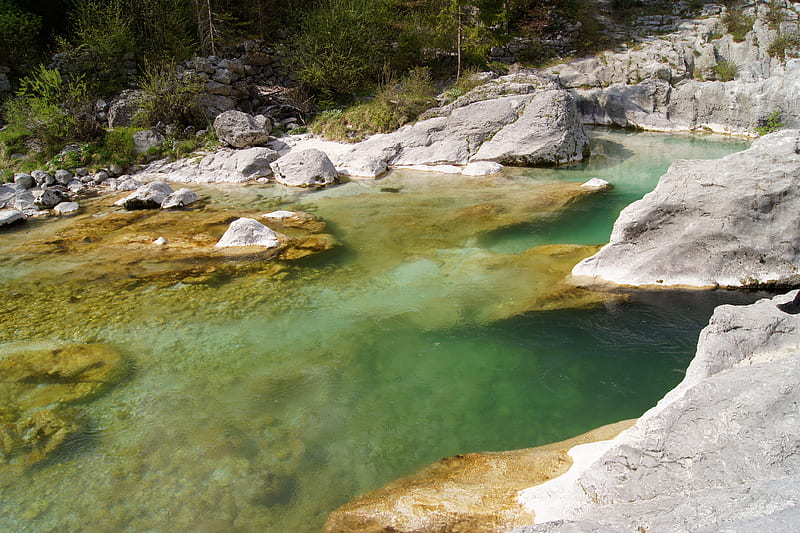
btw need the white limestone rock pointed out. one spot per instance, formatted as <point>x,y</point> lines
<point>240,130</point>
<point>144,140</point>
<point>181,198</point>
<point>305,168</point>
<point>548,132</point>
<point>248,232</point>
<point>596,184</point>
<point>729,222</point>
<point>222,166</point>
<point>482,168</point>
<point>720,452</point>
<point>66,208</point>
<point>148,196</point>
<point>11,216</point>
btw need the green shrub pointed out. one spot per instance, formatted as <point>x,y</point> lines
<point>395,104</point>
<point>118,147</point>
<point>342,45</point>
<point>726,70</point>
<point>18,34</point>
<point>52,111</point>
<point>770,124</point>
<point>12,140</point>
<point>737,23</point>
<point>784,46</point>
<point>169,98</point>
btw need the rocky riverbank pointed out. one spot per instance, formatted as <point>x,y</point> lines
<point>719,452</point>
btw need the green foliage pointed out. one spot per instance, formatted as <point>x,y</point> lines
<point>18,32</point>
<point>169,98</point>
<point>51,110</point>
<point>785,46</point>
<point>12,140</point>
<point>737,23</point>
<point>342,44</point>
<point>464,84</point>
<point>118,147</point>
<point>775,14</point>
<point>103,26</point>
<point>770,124</point>
<point>395,104</point>
<point>726,70</point>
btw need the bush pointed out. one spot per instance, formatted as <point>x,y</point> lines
<point>118,147</point>
<point>737,23</point>
<point>51,111</point>
<point>169,98</point>
<point>18,34</point>
<point>775,14</point>
<point>395,104</point>
<point>726,70</point>
<point>784,46</point>
<point>342,45</point>
<point>770,124</point>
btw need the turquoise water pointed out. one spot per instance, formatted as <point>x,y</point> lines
<point>258,401</point>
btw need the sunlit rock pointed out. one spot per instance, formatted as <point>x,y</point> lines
<point>596,184</point>
<point>148,196</point>
<point>11,216</point>
<point>66,208</point>
<point>248,232</point>
<point>471,492</point>
<point>482,168</point>
<point>730,222</point>
<point>304,168</point>
<point>180,198</point>
<point>718,452</point>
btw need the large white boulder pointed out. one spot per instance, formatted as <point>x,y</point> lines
<point>240,130</point>
<point>305,168</point>
<point>720,452</point>
<point>11,216</point>
<point>549,131</point>
<point>731,222</point>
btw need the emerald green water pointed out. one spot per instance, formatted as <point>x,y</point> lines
<point>259,402</point>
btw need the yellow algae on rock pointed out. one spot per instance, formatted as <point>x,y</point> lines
<point>470,493</point>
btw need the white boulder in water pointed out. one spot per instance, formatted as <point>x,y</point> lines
<point>248,232</point>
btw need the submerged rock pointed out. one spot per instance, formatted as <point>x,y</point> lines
<point>248,232</point>
<point>305,168</point>
<point>731,223</point>
<point>471,492</point>
<point>718,452</point>
<point>58,375</point>
<point>38,436</point>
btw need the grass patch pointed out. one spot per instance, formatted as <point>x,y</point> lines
<point>785,46</point>
<point>737,23</point>
<point>770,124</point>
<point>394,105</point>
<point>726,70</point>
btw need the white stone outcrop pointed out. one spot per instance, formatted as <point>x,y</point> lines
<point>540,127</point>
<point>248,232</point>
<point>222,166</point>
<point>305,168</point>
<point>731,222</point>
<point>720,452</point>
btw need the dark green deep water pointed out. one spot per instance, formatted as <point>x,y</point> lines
<point>260,404</point>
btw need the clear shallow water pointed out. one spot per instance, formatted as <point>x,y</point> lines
<point>257,402</point>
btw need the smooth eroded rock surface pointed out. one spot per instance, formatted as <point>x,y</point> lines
<point>471,492</point>
<point>718,453</point>
<point>240,130</point>
<point>248,232</point>
<point>148,196</point>
<point>305,168</point>
<point>731,222</point>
